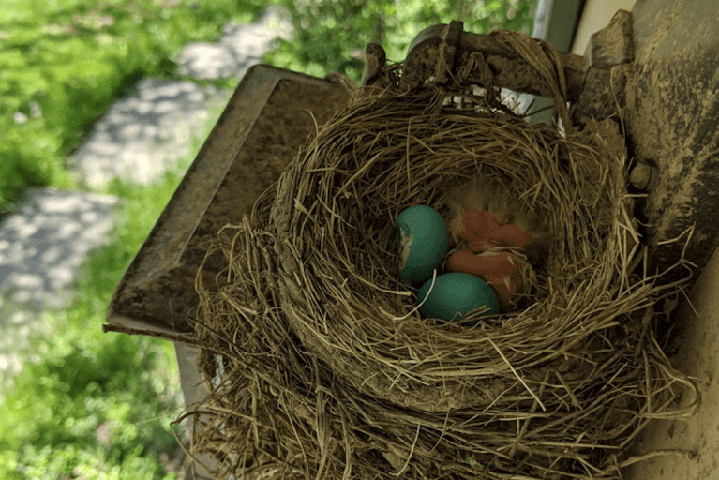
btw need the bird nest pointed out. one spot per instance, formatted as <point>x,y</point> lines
<point>321,365</point>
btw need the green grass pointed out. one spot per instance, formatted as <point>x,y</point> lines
<point>63,62</point>
<point>76,378</point>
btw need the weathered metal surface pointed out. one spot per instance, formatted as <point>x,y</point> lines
<point>672,119</point>
<point>614,44</point>
<point>375,59</point>
<point>667,100</point>
<point>610,55</point>
<point>259,132</point>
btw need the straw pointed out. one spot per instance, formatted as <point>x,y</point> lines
<point>329,371</point>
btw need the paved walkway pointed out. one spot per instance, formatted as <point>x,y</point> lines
<point>49,235</point>
<point>143,134</point>
<point>42,248</point>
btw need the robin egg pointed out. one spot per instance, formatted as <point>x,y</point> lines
<point>423,242</point>
<point>454,295</point>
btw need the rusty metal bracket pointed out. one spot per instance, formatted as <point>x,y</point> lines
<point>438,49</point>
<point>375,59</point>
<point>435,42</point>
<point>610,54</point>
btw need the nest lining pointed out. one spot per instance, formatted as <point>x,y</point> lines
<point>328,371</point>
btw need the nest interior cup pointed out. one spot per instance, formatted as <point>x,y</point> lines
<point>337,242</point>
<point>329,370</point>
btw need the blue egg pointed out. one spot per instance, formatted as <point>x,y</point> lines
<point>423,242</point>
<point>455,295</point>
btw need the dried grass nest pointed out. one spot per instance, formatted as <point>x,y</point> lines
<point>323,369</point>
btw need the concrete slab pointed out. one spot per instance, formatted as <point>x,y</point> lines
<point>240,47</point>
<point>207,61</point>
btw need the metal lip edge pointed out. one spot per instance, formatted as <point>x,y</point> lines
<point>254,90</point>
<point>166,243</point>
<point>199,189</point>
<point>120,323</point>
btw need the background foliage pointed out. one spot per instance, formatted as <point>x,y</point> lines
<point>331,34</point>
<point>90,405</point>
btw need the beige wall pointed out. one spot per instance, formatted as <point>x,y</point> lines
<point>595,16</point>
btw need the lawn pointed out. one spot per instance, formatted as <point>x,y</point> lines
<point>63,62</point>
<point>93,406</point>
<point>89,405</point>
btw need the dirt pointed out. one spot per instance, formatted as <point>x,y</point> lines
<point>671,113</point>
